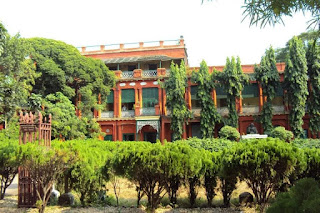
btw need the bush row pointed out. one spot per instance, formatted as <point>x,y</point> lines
<point>267,166</point>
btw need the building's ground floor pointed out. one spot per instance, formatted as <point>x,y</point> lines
<point>151,128</point>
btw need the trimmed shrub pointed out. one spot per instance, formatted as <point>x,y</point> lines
<point>281,133</point>
<point>303,197</point>
<point>230,133</point>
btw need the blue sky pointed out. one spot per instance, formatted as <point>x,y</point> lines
<point>212,30</point>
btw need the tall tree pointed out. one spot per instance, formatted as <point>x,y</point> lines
<point>267,75</point>
<point>17,74</point>
<point>232,80</point>
<point>295,82</point>
<point>209,115</point>
<point>313,63</point>
<point>306,37</point>
<point>64,69</point>
<point>175,87</point>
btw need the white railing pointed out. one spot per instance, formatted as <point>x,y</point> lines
<point>223,110</point>
<point>148,111</point>
<point>250,109</point>
<point>149,73</point>
<point>196,111</point>
<point>278,109</point>
<point>127,113</point>
<point>107,114</point>
<point>127,74</point>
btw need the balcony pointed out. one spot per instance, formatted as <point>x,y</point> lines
<point>147,111</point>
<point>107,114</point>
<point>196,111</point>
<point>126,74</point>
<point>250,110</point>
<point>127,114</point>
<point>223,110</point>
<point>278,109</point>
<point>149,73</point>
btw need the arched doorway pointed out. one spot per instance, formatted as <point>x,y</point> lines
<point>148,133</point>
<point>148,130</point>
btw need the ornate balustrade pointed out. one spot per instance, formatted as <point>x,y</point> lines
<point>223,110</point>
<point>127,114</point>
<point>278,109</point>
<point>107,114</point>
<point>149,73</point>
<point>147,111</point>
<point>250,109</point>
<point>127,74</point>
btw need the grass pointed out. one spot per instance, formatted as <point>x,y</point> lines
<point>128,202</point>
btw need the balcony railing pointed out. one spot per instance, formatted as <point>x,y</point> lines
<point>250,109</point>
<point>149,73</point>
<point>107,114</point>
<point>127,114</point>
<point>148,111</point>
<point>127,74</point>
<point>223,110</point>
<point>278,109</point>
<point>196,111</point>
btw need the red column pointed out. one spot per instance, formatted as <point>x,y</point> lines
<point>260,97</point>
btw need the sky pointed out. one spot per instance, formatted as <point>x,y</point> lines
<point>212,30</point>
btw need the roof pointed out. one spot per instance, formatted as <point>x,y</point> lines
<point>138,59</point>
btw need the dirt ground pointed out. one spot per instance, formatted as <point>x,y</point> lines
<point>127,202</point>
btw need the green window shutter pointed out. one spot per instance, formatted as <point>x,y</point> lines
<point>110,97</point>
<point>250,91</point>
<point>194,91</point>
<point>150,97</point>
<point>127,96</point>
<point>279,92</point>
<point>220,93</point>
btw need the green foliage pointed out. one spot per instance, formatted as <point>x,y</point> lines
<point>307,143</point>
<point>313,164</point>
<point>232,80</point>
<point>267,75</point>
<point>209,115</point>
<point>313,62</point>
<point>12,130</point>
<point>86,174</point>
<point>17,74</point>
<point>281,133</point>
<point>65,124</point>
<point>295,82</point>
<point>210,144</point>
<point>44,165</point>
<point>303,197</point>
<point>229,133</point>
<point>265,164</point>
<point>271,12</point>
<point>63,69</point>
<point>175,87</point>
<point>10,159</point>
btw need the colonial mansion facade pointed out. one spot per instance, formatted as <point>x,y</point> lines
<point>136,107</point>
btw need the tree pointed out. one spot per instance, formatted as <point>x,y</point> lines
<point>17,74</point>
<point>44,165</point>
<point>271,11</point>
<point>63,69</point>
<point>10,160</point>
<point>265,164</point>
<point>175,87</point>
<point>267,75</point>
<point>296,85</point>
<point>232,80</point>
<point>209,115</point>
<point>306,37</point>
<point>65,124</point>
<point>313,63</point>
